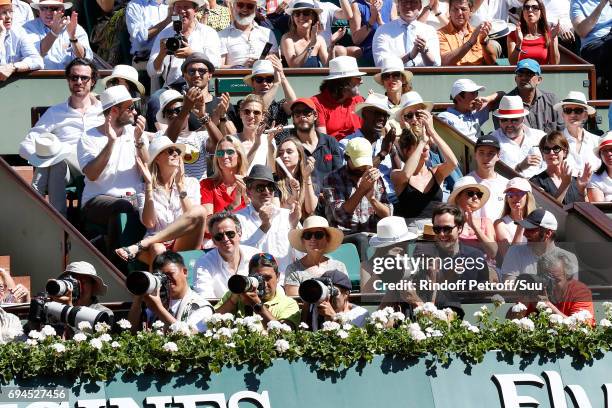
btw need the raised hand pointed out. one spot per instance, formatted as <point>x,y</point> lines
<point>140,125</point>
<point>143,169</point>
<point>556,29</point>
<point>109,131</point>
<point>184,51</point>
<point>308,166</point>
<point>191,98</point>
<point>584,179</point>
<point>58,23</point>
<point>72,25</point>
<point>566,172</point>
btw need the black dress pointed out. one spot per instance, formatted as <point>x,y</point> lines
<point>544,181</point>
<point>414,204</point>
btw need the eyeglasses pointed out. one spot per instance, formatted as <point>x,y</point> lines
<point>131,108</point>
<point>172,112</point>
<point>248,6</point>
<point>76,78</point>
<point>555,149</point>
<point>305,112</point>
<point>389,75</point>
<point>516,194</point>
<point>446,229</point>
<point>409,115</point>
<point>248,112</point>
<point>51,9</point>
<point>172,150</point>
<point>112,82</point>
<point>201,71</point>
<point>229,234</point>
<point>577,111</point>
<point>260,188</point>
<point>513,120</point>
<point>318,235</point>
<point>222,153</point>
<point>305,13</point>
<point>472,193</point>
<point>529,7</point>
<point>262,79</point>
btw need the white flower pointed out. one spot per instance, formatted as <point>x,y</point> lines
<point>547,311</point>
<point>433,332</point>
<point>181,328</point>
<point>484,308</point>
<point>224,332</point>
<point>158,324</point>
<point>331,326</point>
<point>124,324</point>
<point>230,345</point>
<point>84,326</point>
<point>525,323</point>
<point>450,314</point>
<point>497,300</point>
<point>342,334</point>
<point>227,317</point>
<point>102,327</point>
<point>555,319</point>
<point>605,323</point>
<point>417,335</point>
<point>519,307</point>
<point>342,318</point>
<point>79,337</point>
<point>281,345</point>
<point>414,326</point>
<point>31,342</point>
<point>607,306</point>
<point>440,315</point>
<point>303,326</point>
<point>583,316</point>
<point>159,332</point>
<point>379,316</point>
<point>115,344</point>
<point>208,333</point>
<point>58,347</point>
<point>379,326</point>
<point>276,325</point>
<point>48,331</point>
<point>96,343</point>
<point>35,335</point>
<point>170,347</point>
<point>105,337</point>
<point>584,330</point>
<point>478,315</point>
<point>541,306</point>
<point>214,319</point>
<point>399,316</point>
<point>347,327</point>
<point>474,329</point>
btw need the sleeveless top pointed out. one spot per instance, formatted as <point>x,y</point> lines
<point>312,62</point>
<point>415,204</point>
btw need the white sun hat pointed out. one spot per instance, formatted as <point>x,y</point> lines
<point>37,3</point>
<point>392,64</point>
<point>161,143</point>
<point>260,67</point>
<point>343,67</point>
<point>511,107</point>
<point>165,98</point>
<point>114,96</point>
<point>574,98</point>
<point>465,85</point>
<point>128,73</point>
<point>469,182</point>
<point>48,150</point>
<point>391,230</point>
<point>304,5</point>
<point>409,99</point>
<point>374,100</point>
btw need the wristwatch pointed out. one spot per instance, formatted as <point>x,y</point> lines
<point>73,41</point>
<point>182,195</point>
<point>257,308</point>
<point>381,156</point>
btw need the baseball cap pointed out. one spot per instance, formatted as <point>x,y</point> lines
<point>338,278</point>
<point>530,64</point>
<point>359,150</point>
<point>487,140</point>
<point>465,85</point>
<point>306,101</point>
<point>539,218</point>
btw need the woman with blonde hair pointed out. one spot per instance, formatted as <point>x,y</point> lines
<point>302,46</point>
<point>518,203</point>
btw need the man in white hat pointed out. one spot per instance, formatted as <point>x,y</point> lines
<point>145,19</point>
<point>107,156</point>
<point>416,43</point>
<point>58,38</point>
<point>17,52</point>
<point>68,121</point>
<point>244,40</point>
<point>519,143</point>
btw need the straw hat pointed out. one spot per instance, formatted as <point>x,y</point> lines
<point>391,230</point>
<point>511,107</point>
<point>343,67</point>
<point>49,150</point>
<point>128,73</point>
<point>37,3</point>
<point>304,5</point>
<point>392,64</point>
<point>374,100</point>
<point>465,183</point>
<point>114,96</point>
<point>605,141</point>
<point>165,99</point>
<point>260,67</point>
<point>574,98</point>
<point>161,143</point>
<point>410,99</point>
<point>87,269</point>
<point>334,235</point>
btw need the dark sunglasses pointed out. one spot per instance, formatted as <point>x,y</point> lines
<point>229,234</point>
<point>75,78</point>
<point>172,150</point>
<point>577,111</point>
<point>175,111</point>
<point>298,13</point>
<point>300,112</point>
<point>472,193</point>
<point>318,235</point>
<point>388,75</point>
<point>409,115</point>
<point>260,188</point>
<point>112,82</point>
<point>248,112</point>
<point>518,194</point>
<point>530,7</point>
<point>248,6</point>
<point>446,229</point>
<point>131,108</point>
<point>48,8</point>
<point>262,79</point>
<point>513,120</point>
<point>201,71</point>
<point>222,153</point>
<point>555,149</point>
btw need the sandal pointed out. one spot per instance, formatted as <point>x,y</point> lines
<point>131,256</point>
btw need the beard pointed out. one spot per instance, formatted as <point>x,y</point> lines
<point>245,21</point>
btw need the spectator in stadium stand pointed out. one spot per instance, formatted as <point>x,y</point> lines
<point>68,121</point>
<point>592,20</point>
<point>519,143</point>
<point>486,155</point>
<point>274,306</point>
<point>58,38</point>
<point>22,13</point>
<point>582,144</point>
<point>487,10</point>
<point>145,19</point>
<point>394,79</point>
<point>107,156</point>
<point>169,205</point>
<point>302,46</point>
<point>463,44</point>
<point>217,16</point>
<point>469,111</point>
<point>600,187</point>
<point>127,76</point>
<point>315,239</point>
<point>229,257</point>
<point>533,37</point>
<point>335,307</point>
<point>358,199</point>
<point>559,11</point>
<point>519,202</point>
<point>367,18</point>
<point>183,304</point>
<point>414,42</point>
<point>329,14</point>
<point>297,186</point>
<point>323,148</point>
<point>17,52</point>
<point>335,104</point>
<point>375,113</point>
<point>244,40</point>
<point>11,292</point>
<point>540,104</point>
<point>435,14</point>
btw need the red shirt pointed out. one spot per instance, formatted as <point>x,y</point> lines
<point>535,49</point>
<point>217,195</point>
<point>577,297</point>
<point>340,120</point>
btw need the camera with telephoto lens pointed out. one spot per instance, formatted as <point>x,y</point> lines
<point>173,44</point>
<point>317,290</point>
<point>46,312</point>
<point>140,283</point>
<point>239,284</point>
<point>61,286</point>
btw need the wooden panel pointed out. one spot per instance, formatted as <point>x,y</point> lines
<point>5,263</point>
<point>25,172</point>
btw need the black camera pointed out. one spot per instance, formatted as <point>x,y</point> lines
<point>141,282</point>
<point>61,286</point>
<point>239,284</point>
<point>173,44</point>
<point>317,290</point>
<point>43,311</point>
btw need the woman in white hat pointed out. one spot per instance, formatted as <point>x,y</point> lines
<point>302,46</point>
<point>169,207</point>
<point>395,79</point>
<point>600,187</point>
<point>518,203</point>
<point>471,196</point>
<point>316,239</point>
<point>533,37</point>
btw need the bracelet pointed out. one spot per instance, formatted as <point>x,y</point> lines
<point>139,145</point>
<point>53,34</point>
<point>204,120</point>
<point>438,14</point>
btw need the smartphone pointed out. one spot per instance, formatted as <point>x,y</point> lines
<point>265,51</point>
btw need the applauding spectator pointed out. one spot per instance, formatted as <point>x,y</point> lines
<point>600,187</point>
<point>533,38</point>
<point>518,203</point>
<point>395,79</point>
<point>367,18</point>
<point>302,46</point>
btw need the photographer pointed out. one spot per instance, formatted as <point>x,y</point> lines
<point>265,299</point>
<point>172,299</point>
<point>335,304</point>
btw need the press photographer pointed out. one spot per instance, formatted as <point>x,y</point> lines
<point>258,294</point>
<point>166,294</point>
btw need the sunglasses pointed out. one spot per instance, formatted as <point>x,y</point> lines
<point>222,153</point>
<point>577,111</point>
<point>172,150</point>
<point>529,7</point>
<point>248,112</point>
<point>172,112</point>
<point>516,194</point>
<point>513,120</point>
<point>229,234</point>
<point>305,112</point>
<point>48,8</point>
<point>555,149</point>
<point>201,71</point>
<point>75,78</point>
<point>248,6</point>
<point>446,229</point>
<point>389,75</point>
<point>409,115</point>
<point>306,13</point>
<point>472,193</point>
<point>260,188</point>
<point>264,255</point>
<point>262,79</point>
<point>318,235</point>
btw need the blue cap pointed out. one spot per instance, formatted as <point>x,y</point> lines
<point>529,64</point>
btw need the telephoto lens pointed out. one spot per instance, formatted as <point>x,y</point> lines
<point>141,282</point>
<point>317,290</point>
<point>240,284</point>
<point>60,287</point>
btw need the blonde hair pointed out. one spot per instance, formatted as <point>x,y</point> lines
<point>252,98</point>
<point>283,180</point>
<point>154,170</point>
<point>293,26</point>
<point>242,159</point>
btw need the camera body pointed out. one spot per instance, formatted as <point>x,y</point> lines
<point>317,290</point>
<point>59,287</point>
<point>44,311</point>
<point>239,284</point>
<point>175,42</point>
<point>140,283</point>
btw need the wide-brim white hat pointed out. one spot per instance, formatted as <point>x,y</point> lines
<point>260,67</point>
<point>115,95</point>
<point>161,143</point>
<point>199,3</point>
<point>469,182</point>
<point>49,150</point>
<point>334,235</point>
<point>511,107</point>
<point>343,67</point>
<point>128,73</point>
<point>303,5</point>
<point>410,99</point>
<point>87,269</point>
<point>166,98</point>
<point>392,64</point>
<point>500,28</point>
<point>376,101</point>
<point>37,3</point>
<point>391,230</point>
<point>574,98</point>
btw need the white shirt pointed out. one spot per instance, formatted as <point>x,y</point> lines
<point>495,204</point>
<point>604,183</point>
<point>275,241</point>
<point>202,39</point>
<point>467,123</point>
<point>19,48</point>
<point>397,39</point>
<point>191,314</point>
<point>168,208</point>
<point>238,46</point>
<point>558,10</point>
<point>327,18</point>
<point>512,153</point>
<point>577,159</point>
<point>195,165</point>
<point>494,10</point>
<point>61,52</point>
<point>140,15</point>
<point>120,177</point>
<point>68,124</point>
<point>22,13</point>
<point>508,224</point>
<point>212,272</point>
